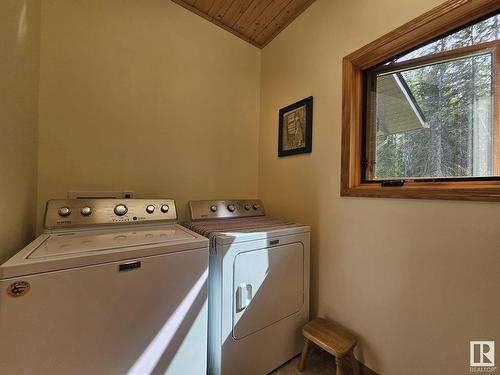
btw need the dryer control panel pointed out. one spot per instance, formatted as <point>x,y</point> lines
<point>224,209</point>
<point>68,213</point>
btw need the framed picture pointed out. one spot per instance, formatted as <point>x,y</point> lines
<point>295,128</point>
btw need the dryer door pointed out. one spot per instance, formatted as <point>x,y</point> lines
<point>268,286</point>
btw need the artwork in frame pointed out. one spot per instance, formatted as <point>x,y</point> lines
<point>295,128</point>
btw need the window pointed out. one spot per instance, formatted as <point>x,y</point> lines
<point>430,112</point>
<point>421,111</point>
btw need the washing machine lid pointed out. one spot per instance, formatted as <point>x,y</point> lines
<point>64,244</point>
<point>68,249</point>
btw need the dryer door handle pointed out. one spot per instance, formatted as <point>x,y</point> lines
<point>243,296</point>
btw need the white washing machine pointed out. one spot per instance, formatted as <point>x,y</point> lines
<point>112,287</point>
<point>258,286</point>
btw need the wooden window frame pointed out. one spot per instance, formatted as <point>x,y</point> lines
<point>443,19</point>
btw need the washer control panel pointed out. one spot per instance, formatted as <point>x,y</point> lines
<point>67,213</point>
<point>200,210</point>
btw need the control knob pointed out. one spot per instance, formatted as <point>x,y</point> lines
<point>256,206</point>
<point>150,209</point>
<point>120,209</point>
<point>247,207</point>
<point>164,208</point>
<point>64,211</point>
<point>213,208</point>
<point>231,207</point>
<point>86,211</point>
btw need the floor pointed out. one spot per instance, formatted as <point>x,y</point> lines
<point>318,362</point>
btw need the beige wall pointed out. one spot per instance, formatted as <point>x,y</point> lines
<point>146,96</point>
<point>415,279</point>
<point>19,64</point>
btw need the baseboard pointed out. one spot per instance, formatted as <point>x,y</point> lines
<point>321,361</point>
<point>363,369</point>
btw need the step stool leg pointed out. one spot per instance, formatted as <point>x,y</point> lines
<point>354,363</point>
<point>305,351</point>
<point>338,361</point>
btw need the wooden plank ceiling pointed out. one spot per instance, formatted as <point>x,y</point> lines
<point>256,21</point>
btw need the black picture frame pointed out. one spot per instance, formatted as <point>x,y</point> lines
<point>295,128</point>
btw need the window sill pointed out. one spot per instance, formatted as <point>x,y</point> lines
<point>470,191</point>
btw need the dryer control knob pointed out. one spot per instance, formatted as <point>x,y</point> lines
<point>231,207</point>
<point>164,208</point>
<point>86,211</point>
<point>150,209</point>
<point>247,207</point>
<point>256,206</point>
<point>213,208</point>
<point>64,211</point>
<point>120,209</point>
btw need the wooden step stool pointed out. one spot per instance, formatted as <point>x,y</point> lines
<point>332,338</point>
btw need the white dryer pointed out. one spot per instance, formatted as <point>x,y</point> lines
<point>258,286</point>
<point>112,287</point>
